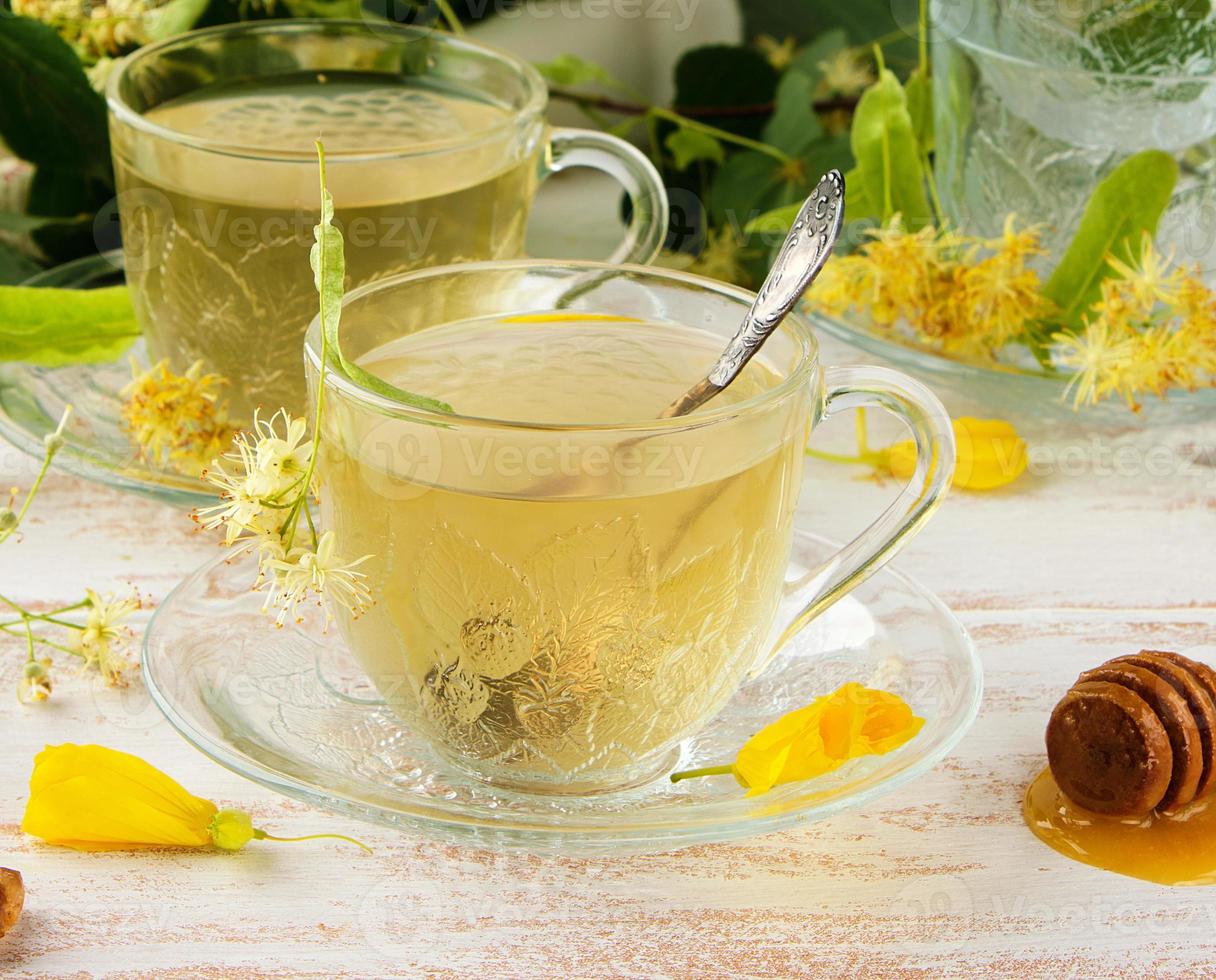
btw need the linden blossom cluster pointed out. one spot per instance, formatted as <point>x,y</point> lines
<point>1152,329</point>
<point>264,484</point>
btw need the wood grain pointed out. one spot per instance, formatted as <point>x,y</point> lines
<point>939,879</point>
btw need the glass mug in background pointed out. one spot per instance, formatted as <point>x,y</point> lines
<point>434,148</point>
<point>558,603</point>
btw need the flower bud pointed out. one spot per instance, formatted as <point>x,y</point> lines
<point>8,519</point>
<point>231,830</point>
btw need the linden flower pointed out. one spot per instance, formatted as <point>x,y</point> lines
<point>264,468</point>
<point>998,296</point>
<point>176,420</point>
<point>91,798</point>
<point>262,489</point>
<point>850,722</point>
<point>320,572</point>
<point>1096,355</point>
<point>35,686</point>
<point>723,258</point>
<point>1145,282</point>
<point>846,73</point>
<point>102,642</point>
<point>778,53</point>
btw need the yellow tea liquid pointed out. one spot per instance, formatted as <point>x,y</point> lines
<point>217,244</point>
<point>560,607</point>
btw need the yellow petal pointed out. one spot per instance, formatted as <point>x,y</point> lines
<point>92,798</point>
<point>990,454</point>
<point>811,741</point>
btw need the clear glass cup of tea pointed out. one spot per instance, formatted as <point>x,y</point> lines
<point>565,585</point>
<point>435,147</point>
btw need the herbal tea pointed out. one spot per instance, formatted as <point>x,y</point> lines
<point>557,606</point>
<point>217,238</point>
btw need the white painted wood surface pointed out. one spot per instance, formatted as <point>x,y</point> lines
<point>1068,568</point>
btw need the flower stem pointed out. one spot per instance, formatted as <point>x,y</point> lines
<point>698,773</point>
<point>724,135</point>
<point>450,18</point>
<point>262,835</point>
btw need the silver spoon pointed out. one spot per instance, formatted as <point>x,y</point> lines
<point>803,255</point>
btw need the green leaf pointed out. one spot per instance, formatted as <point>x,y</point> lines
<point>1127,203</point>
<point>747,185</point>
<point>688,146</point>
<point>889,176</point>
<point>865,21</point>
<point>174,17</point>
<point>23,224</point>
<point>328,260</point>
<point>821,49</point>
<point>919,93</point>
<point>14,266</point>
<point>793,126</point>
<point>775,222</point>
<point>49,114</point>
<point>568,69</point>
<point>53,327</point>
<point>727,76</point>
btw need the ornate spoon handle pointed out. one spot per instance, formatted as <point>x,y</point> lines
<point>803,254</point>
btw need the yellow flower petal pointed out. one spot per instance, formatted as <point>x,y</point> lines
<point>989,454</point>
<point>95,799</point>
<point>850,722</point>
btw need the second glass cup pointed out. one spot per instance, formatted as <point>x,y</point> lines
<point>435,148</point>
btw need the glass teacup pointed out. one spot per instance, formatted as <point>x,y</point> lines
<point>565,585</point>
<point>435,148</point>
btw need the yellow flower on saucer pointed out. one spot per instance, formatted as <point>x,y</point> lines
<point>989,454</point>
<point>850,722</point>
<point>91,798</point>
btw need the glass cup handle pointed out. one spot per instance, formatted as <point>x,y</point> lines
<point>586,148</point>
<point>875,387</point>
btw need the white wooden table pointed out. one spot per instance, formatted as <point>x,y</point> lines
<point>941,878</point>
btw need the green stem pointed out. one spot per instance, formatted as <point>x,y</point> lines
<point>12,630</point>
<point>29,642</point>
<point>652,137</point>
<point>262,835</point>
<point>863,434</point>
<point>289,525</point>
<point>888,207</point>
<point>931,180</point>
<point>922,36</point>
<point>704,771</point>
<point>724,135</point>
<point>866,459</point>
<point>449,16</point>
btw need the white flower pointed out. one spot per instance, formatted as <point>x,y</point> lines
<point>257,479</point>
<point>102,642</point>
<point>320,572</point>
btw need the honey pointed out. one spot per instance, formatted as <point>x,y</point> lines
<point>1170,849</point>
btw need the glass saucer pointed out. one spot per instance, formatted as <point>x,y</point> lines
<point>97,447</point>
<point>289,709</point>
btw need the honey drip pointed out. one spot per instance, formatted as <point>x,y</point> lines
<point>1170,849</point>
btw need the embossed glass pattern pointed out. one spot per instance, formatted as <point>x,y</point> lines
<point>293,711</point>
